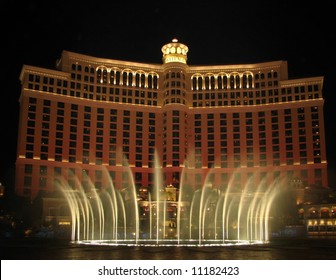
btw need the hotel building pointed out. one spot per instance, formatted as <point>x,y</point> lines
<point>220,124</point>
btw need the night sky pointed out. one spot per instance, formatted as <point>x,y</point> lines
<point>217,33</point>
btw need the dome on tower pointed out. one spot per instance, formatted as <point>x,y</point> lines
<point>174,52</point>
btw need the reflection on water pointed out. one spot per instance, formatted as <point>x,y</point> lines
<point>289,249</point>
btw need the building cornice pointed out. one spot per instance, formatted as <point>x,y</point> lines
<point>239,67</point>
<point>43,72</point>
<point>96,61</point>
<point>302,81</point>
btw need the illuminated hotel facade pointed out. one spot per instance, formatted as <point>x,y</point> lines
<point>224,124</point>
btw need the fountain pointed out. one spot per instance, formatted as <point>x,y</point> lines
<point>204,217</point>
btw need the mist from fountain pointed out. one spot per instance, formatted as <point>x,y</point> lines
<point>206,216</point>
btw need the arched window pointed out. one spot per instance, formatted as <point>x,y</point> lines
<point>207,83</point>
<point>250,85</point>
<point>155,82</point>
<point>231,81</point>
<point>237,85</point>
<point>244,81</point>
<point>225,82</point>
<point>117,77</point>
<point>194,83</point>
<point>220,82</point>
<point>143,80</point>
<point>150,81</point>
<point>212,82</point>
<point>137,79</point>
<point>324,213</point>
<point>130,79</point>
<point>112,76</point>
<point>99,76</point>
<point>104,76</point>
<point>124,78</point>
<point>313,214</point>
<point>199,86</point>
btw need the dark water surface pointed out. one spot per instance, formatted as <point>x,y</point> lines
<point>280,249</point>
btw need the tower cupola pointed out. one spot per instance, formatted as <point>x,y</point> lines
<point>174,52</point>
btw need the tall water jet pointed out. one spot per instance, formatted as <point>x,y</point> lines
<point>219,204</point>
<point>157,194</point>
<point>241,207</point>
<point>225,215</point>
<point>251,222</point>
<point>134,201</point>
<point>179,204</point>
<point>115,208</point>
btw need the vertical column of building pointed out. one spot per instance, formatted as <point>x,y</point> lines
<point>174,111</point>
<point>319,145</point>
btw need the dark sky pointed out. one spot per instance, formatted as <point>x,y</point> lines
<point>216,32</point>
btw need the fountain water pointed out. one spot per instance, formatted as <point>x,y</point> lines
<point>206,216</point>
